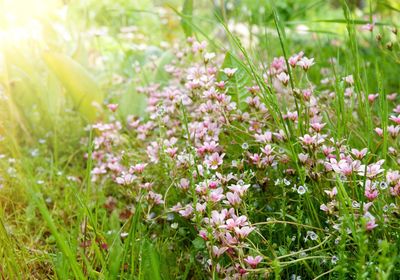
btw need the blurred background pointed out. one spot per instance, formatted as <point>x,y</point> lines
<point>59,58</point>
<point>62,61</point>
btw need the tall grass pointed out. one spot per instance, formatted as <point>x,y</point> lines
<point>55,222</point>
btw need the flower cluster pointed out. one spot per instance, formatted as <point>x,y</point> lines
<point>206,155</point>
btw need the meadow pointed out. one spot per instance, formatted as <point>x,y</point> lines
<point>182,139</point>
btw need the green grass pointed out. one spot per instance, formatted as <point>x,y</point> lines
<point>55,223</point>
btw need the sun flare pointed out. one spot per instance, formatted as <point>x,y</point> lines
<point>22,20</point>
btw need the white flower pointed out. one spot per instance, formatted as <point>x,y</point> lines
<point>301,190</point>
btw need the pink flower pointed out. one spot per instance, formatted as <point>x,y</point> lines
<point>344,166</point>
<point>306,94</point>
<point>184,183</point>
<point>379,131</point>
<point>214,161</point>
<point>308,140</point>
<point>359,154</point>
<point>293,116</point>
<point>372,97</point>
<point>155,197</point>
<point>317,127</point>
<point>216,195</point>
<point>278,65</point>
<point>266,137</point>
<point>220,85</point>
<point>267,150</point>
<point>112,107</point>
<point>371,193</point>
<point>217,252</point>
<point>171,152</point>
<point>395,119</point>
<point>306,63</point>
<point>244,231</point>
<point>349,79</point>
<point>255,158</point>
<point>324,208</point>
<point>240,189</point>
<point>331,193</point>
<point>233,198</point>
<point>370,225</point>
<point>253,261</point>
<point>303,157</point>
<point>199,46</point>
<point>372,170</point>
<point>368,27</point>
<point>203,234</point>
<point>294,59</point>
<point>137,168</point>
<point>283,78</point>
<point>187,211</point>
<point>229,72</point>
<point>218,218</point>
<point>393,130</point>
<point>201,207</point>
<point>229,239</point>
<point>125,179</point>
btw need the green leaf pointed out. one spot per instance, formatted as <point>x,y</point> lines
<point>186,20</point>
<point>79,84</point>
<point>150,262</point>
<point>238,81</point>
<point>199,243</point>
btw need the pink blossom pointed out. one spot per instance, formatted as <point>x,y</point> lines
<point>184,183</point>
<point>308,140</point>
<point>345,166</point>
<point>253,261</point>
<point>293,60</point>
<point>233,198</point>
<point>317,127</point>
<point>359,154</point>
<point>306,63</point>
<point>214,161</point>
<point>370,225</point>
<point>216,195</point>
<point>240,189</point>
<point>217,252</point>
<point>187,211</point>
<point>137,168</point>
<point>199,46</point>
<point>395,119</point>
<point>125,179</point>
<point>229,72</point>
<point>368,27</point>
<point>267,150</point>
<point>379,131</point>
<point>372,170</point>
<point>331,193</point>
<point>303,157</point>
<point>371,193</point>
<point>349,79</point>
<point>218,218</point>
<point>266,137</point>
<point>203,234</point>
<point>393,130</point>
<point>171,151</point>
<point>283,78</point>
<point>372,97</point>
<point>201,207</point>
<point>112,107</point>
<point>244,231</point>
<point>155,197</point>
